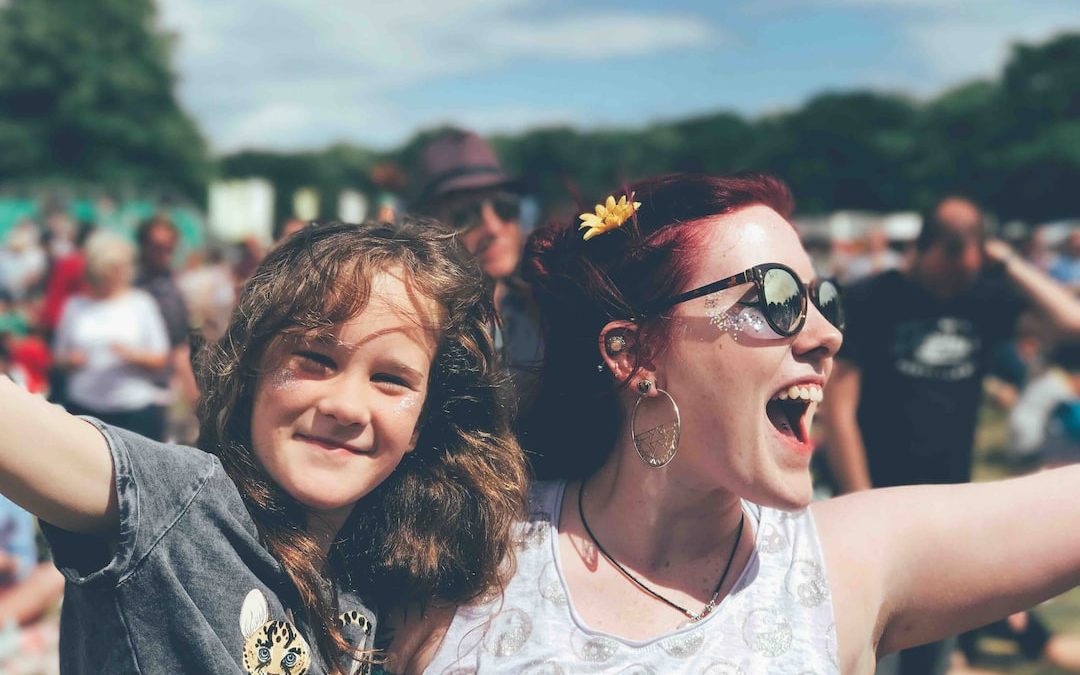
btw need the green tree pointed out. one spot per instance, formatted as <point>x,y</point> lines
<point>842,151</point>
<point>87,94</point>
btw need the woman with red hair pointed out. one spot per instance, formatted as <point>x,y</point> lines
<point>689,343</point>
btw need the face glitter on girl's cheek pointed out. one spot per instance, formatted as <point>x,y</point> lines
<point>739,320</point>
<point>406,404</point>
<point>283,379</point>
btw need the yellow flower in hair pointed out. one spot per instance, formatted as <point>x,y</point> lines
<point>609,216</point>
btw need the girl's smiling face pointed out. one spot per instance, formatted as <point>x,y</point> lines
<point>334,415</point>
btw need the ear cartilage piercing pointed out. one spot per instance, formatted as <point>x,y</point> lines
<point>615,344</point>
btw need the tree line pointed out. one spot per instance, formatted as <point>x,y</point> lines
<point>1012,143</point>
<point>87,96</point>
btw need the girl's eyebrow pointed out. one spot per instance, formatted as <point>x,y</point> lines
<point>401,368</point>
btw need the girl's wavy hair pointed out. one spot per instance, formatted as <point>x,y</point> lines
<point>580,286</point>
<point>438,528</point>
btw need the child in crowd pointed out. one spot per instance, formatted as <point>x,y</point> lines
<point>353,450</point>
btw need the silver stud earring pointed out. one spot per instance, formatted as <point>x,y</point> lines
<point>644,387</point>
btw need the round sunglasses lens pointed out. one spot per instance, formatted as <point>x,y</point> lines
<point>829,303</point>
<point>784,300</point>
<point>507,208</point>
<point>464,219</point>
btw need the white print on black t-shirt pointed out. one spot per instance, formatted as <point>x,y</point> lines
<point>938,349</point>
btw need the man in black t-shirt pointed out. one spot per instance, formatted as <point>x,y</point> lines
<point>903,400</point>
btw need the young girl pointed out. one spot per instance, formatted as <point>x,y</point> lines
<point>353,445</point>
<point>688,345</point>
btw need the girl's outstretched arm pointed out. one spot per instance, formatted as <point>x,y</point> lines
<point>53,464</point>
<point>933,561</point>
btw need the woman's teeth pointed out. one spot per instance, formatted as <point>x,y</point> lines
<point>804,392</point>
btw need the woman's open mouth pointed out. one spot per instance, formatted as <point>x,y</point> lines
<point>789,410</point>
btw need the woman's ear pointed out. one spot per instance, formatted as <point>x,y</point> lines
<point>620,353</point>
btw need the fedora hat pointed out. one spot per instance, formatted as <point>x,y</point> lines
<point>459,161</point>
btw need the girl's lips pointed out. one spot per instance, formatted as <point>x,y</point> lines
<point>330,444</point>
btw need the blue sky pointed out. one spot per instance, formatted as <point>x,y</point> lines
<point>301,74</point>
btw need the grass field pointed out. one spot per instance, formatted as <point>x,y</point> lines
<point>1062,614</point>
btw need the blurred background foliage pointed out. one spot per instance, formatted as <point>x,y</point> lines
<point>87,97</point>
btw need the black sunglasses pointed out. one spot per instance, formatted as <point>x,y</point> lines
<point>781,297</point>
<point>507,207</point>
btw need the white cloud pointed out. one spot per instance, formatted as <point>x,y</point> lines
<point>289,73</point>
<point>958,40</point>
<point>961,42</point>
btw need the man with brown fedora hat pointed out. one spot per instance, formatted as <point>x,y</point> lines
<point>463,185</point>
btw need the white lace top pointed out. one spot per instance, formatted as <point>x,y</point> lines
<point>778,617</point>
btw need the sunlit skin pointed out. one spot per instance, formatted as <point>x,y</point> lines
<point>722,382</point>
<point>158,249</point>
<point>497,243</point>
<point>685,516</point>
<point>905,566</point>
<point>950,265</point>
<point>333,417</point>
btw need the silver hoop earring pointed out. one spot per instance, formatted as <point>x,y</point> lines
<point>657,446</point>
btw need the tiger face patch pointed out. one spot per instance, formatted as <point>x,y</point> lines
<point>271,647</point>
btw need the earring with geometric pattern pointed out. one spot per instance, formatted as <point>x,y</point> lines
<point>656,446</point>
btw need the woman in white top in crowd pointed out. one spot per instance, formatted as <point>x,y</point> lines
<point>688,346</point>
<point>111,341</point>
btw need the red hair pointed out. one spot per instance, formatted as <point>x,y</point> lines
<point>580,286</point>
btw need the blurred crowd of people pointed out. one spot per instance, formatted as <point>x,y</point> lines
<point>104,324</point>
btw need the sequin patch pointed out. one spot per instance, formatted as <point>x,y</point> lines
<point>767,633</point>
<point>830,645</point>
<point>806,582</point>
<point>772,540</point>
<point>551,588</point>
<point>542,668</point>
<point>592,649</point>
<point>509,631</point>
<point>683,646</point>
<point>723,668</point>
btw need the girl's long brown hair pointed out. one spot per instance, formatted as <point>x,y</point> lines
<point>439,527</point>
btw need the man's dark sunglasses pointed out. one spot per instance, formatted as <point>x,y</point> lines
<point>781,297</point>
<point>506,206</point>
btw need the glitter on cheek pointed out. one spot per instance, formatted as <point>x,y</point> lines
<point>739,321</point>
<point>283,379</point>
<point>407,404</point>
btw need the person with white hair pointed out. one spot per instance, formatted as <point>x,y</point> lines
<point>111,342</point>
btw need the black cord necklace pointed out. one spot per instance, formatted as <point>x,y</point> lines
<point>709,606</point>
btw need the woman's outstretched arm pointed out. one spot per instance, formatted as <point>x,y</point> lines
<point>928,562</point>
<point>53,464</point>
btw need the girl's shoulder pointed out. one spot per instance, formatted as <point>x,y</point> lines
<point>160,489</point>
